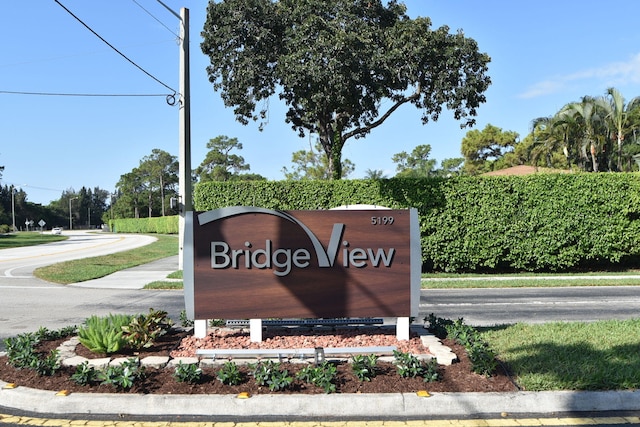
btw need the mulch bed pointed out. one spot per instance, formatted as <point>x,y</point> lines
<point>457,377</point>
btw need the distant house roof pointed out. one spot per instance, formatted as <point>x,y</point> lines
<point>523,170</point>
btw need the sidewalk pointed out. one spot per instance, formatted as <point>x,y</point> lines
<point>136,277</point>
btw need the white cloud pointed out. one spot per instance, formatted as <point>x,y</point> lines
<point>612,74</point>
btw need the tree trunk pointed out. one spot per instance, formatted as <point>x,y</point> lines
<point>336,158</point>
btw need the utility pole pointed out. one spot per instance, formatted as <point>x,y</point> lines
<point>184,159</point>
<point>184,129</point>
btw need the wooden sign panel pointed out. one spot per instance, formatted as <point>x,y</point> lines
<point>253,262</point>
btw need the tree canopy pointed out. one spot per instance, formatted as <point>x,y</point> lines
<point>333,62</point>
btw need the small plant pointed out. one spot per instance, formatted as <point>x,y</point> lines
<point>104,335</point>
<point>85,374</point>
<point>269,374</point>
<point>437,325</point>
<point>143,330</point>
<point>409,366</point>
<point>483,358</point>
<point>123,375</point>
<point>184,320</point>
<point>229,374</point>
<point>49,364</point>
<point>187,373</point>
<point>364,367</point>
<point>20,350</point>
<point>322,376</point>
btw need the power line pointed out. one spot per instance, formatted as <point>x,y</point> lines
<point>156,19</point>
<point>171,99</point>
<point>114,48</point>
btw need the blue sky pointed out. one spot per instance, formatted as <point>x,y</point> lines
<point>544,54</point>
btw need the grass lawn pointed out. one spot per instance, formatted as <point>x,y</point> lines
<point>28,238</point>
<point>603,355</point>
<point>84,269</point>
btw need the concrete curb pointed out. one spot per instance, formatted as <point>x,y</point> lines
<point>325,405</point>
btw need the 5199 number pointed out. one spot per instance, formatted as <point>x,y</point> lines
<point>381,220</point>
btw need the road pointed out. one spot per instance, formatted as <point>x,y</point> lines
<point>27,303</point>
<point>488,307</point>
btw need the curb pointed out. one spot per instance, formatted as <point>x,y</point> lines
<point>328,405</point>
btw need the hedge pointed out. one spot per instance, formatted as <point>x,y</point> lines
<point>159,225</point>
<point>541,222</point>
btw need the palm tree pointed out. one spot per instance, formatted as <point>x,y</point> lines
<point>589,114</point>
<point>618,117</point>
<point>550,134</point>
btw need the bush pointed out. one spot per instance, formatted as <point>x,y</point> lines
<point>144,329</point>
<point>124,375</point>
<point>409,366</point>
<point>187,373</point>
<point>364,367</point>
<point>323,376</point>
<point>483,358</point>
<point>271,375</point>
<point>229,374</point>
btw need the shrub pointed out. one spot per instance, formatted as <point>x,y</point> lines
<point>409,366</point>
<point>187,373</point>
<point>269,374</point>
<point>323,376</point>
<point>21,350</point>
<point>364,367</point>
<point>104,335</point>
<point>123,375</point>
<point>85,374</point>
<point>229,374</point>
<point>483,358</point>
<point>143,330</point>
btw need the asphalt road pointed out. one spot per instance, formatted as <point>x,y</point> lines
<point>488,307</point>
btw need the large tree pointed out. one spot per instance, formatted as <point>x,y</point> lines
<point>416,164</point>
<point>220,164</point>
<point>334,62</point>
<point>312,165</point>
<point>481,149</point>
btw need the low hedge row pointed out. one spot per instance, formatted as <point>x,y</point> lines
<point>156,225</point>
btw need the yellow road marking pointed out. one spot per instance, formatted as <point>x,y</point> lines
<point>553,421</point>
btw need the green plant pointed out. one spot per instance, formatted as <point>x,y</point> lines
<point>49,364</point>
<point>184,320</point>
<point>409,366</point>
<point>323,376</point>
<point>187,373</point>
<point>364,367</point>
<point>437,325</point>
<point>123,375</point>
<point>144,329</point>
<point>483,358</point>
<point>229,374</point>
<point>20,350</point>
<point>85,374</point>
<point>269,373</point>
<point>104,335</point>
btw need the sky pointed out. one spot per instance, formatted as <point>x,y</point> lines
<point>544,54</point>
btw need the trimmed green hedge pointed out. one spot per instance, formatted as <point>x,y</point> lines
<point>542,222</point>
<point>158,225</point>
